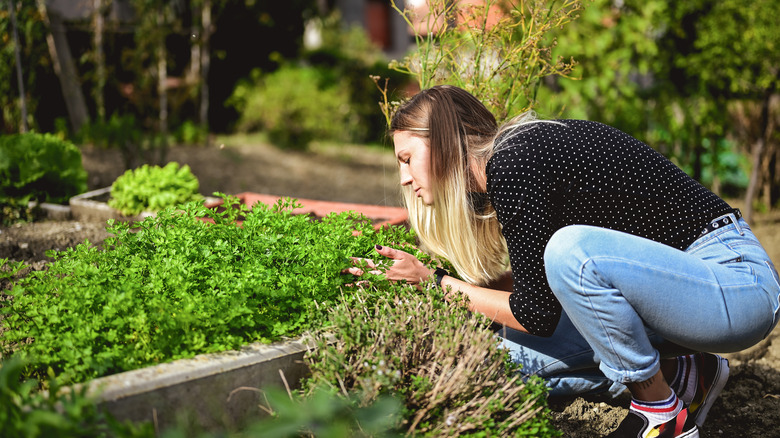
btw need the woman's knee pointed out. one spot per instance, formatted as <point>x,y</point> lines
<point>563,255</point>
<point>564,243</point>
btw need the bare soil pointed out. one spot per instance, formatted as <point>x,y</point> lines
<point>748,407</point>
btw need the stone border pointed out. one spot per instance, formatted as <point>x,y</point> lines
<point>93,207</point>
<point>219,391</point>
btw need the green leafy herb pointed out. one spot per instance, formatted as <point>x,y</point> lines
<point>152,188</point>
<point>176,285</point>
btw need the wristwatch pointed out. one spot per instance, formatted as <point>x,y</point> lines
<point>439,273</point>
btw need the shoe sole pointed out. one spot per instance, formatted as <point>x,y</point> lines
<point>721,377</point>
<point>693,433</point>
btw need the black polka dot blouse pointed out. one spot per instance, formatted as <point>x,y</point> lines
<point>549,175</point>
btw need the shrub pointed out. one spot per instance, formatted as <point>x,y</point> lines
<point>37,167</point>
<point>348,55</point>
<point>294,105</point>
<point>441,360</point>
<point>495,49</point>
<point>174,286</point>
<point>152,188</point>
<point>127,134</point>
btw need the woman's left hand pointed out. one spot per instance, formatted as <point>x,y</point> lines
<point>404,266</point>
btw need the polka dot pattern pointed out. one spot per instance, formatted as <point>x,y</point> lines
<point>549,175</point>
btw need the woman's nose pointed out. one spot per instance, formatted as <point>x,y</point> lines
<point>406,177</point>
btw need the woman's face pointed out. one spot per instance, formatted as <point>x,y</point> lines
<point>414,159</point>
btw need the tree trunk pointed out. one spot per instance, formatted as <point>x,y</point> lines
<point>64,68</point>
<point>715,166</point>
<point>100,62</point>
<point>205,64</point>
<point>19,76</point>
<point>162,87</point>
<point>758,153</point>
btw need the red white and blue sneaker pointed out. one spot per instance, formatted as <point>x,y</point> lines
<point>712,372</point>
<point>636,425</point>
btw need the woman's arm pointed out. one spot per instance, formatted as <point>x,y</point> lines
<point>491,302</point>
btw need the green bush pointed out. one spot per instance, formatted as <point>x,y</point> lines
<point>37,167</point>
<point>152,188</point>
<point>127,134</point>
<point>175,286</point>
<point>349,56</point>
<point>441,360</point>
<point>328,96</point>
<point>294,106</point>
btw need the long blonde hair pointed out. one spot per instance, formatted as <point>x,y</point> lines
<point>460,133</point>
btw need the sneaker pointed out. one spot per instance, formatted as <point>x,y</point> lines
<point>713,372</point>
<point>635,425</point>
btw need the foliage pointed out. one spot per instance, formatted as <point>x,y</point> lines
<point>174,286</point>
<point>28,413</point>
<point>615,49</point>
<point>121,131</point>
<point>127,134</point>
<point>34,59</point>
<point>346,54</point>
<point>68,412</point>
<point>441,360</point>
<point>37,167</point>
<point>628,75</point>
<point>327,95</point>
<point>294,105</point>
<point>325,414</point>
<point>152,188</point>
<point>734,58</point>
<point>736,48</point>
<point>496,50</point>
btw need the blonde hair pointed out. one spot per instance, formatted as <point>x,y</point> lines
<point>461,134</point>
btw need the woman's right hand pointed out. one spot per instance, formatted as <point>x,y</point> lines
<point>404,266</point>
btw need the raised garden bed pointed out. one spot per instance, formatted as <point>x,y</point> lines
<point>214,391</point>
<point>93,207</point>
<point>167,298</point>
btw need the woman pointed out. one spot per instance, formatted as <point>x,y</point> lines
<point>623,268</point>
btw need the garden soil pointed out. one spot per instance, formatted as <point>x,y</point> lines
<point>748,407</point>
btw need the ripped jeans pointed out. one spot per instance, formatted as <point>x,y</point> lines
<point>629,301</point>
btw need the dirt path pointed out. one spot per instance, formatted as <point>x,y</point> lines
<point>748,407</point>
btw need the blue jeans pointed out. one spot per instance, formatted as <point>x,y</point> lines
<point>629,301</point>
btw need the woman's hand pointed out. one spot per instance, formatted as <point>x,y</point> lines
<point>404,266</point>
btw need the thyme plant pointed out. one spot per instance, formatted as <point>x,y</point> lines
<point>442,361</point>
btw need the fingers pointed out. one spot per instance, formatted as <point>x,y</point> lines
<point>358,272</point>
<point>388,252</point>
<point>358,260</point>
<point>362,264</point>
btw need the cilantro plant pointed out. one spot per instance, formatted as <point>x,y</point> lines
<point>175,285</point>
<point>152,188</point>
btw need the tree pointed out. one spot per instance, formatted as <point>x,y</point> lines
<point>21,62</point>
<point>18,59</point>
<point>736,53</point>
<point>64,67</point>
<point>641,67</point>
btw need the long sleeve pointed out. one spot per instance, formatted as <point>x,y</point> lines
<point>549,175</point>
